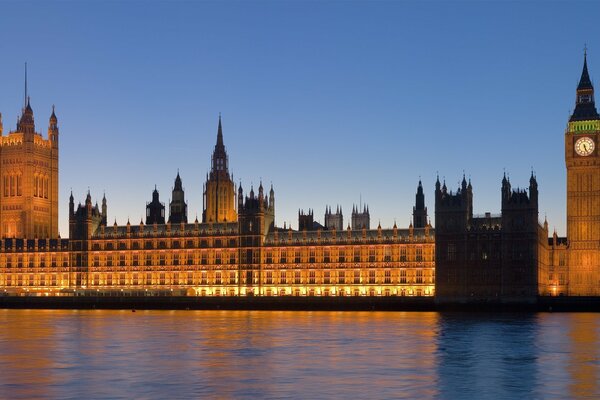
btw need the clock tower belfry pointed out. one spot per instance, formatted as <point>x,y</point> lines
<point>583,191</point>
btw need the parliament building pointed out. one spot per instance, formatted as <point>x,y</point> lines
<point>238,250</point>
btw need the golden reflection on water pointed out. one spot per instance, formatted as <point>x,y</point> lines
<point>236,354</point>
<point>584,356</point>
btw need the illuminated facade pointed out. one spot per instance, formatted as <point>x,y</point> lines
<point>29,181</point>
<point>246,256</point>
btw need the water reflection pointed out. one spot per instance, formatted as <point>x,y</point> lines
<point>157,354</point>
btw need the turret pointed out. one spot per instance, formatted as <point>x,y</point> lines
<point>419,210</point>
<point>178,206</point>
<point>104,210</point>
<point>71,205</point>
<point>506,189</point>
<point>155,210</point>
<point>272,198</point>
<point>53,129</point>
<point>240,198</point>
<point>26,123</point>
<point>533,190</point>
<point>305,220</point>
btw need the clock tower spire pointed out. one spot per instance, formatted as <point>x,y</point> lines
<point>585,106</point>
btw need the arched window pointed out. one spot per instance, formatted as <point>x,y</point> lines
<point>19,185</point>
<point>46,187</point>
<point>35,185</point>
<point>13,186</point>
<point>6,187</point>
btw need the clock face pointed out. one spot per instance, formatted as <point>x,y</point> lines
<point>584,146</point>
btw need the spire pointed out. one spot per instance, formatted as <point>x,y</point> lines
<point>178,184</point>
<point>585,82</point>
<point>220,134</point>
<point>26,98</point>
<point>219,158</point>
<point>585,106</point>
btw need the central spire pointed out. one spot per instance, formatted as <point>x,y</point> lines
<point>219,158</point>
<point>220,135</point>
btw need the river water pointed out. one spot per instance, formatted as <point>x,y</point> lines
<point>307,355</point>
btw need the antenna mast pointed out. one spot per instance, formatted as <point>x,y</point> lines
<point>25,102</point>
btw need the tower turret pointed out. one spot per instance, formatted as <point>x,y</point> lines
<point>53,129</point>
<point>71,205</point>
<point>419,210</point>
<point>155,210</point>
<point>272,198</point>
<point>26,122</point>
<point>104,210</point>
<point>178,206</point>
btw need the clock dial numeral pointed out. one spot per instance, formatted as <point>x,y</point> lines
<point>584,146</point>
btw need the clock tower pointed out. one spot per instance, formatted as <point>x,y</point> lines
<point>583,191</point>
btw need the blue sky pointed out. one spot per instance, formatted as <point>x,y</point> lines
<point>330,101</point>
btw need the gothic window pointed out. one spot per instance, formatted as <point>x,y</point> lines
<point>356,277</point>
<point>403,254</point>
<point>326,256</point>
<point>402,276</point>
<point>371,276</point>
<point>357,254</point>
<point>327,277</point>
<point>282,277</point>
<point>387,251</point>
<point>6,186</point>
<point>312,277</point>
<point>19,185</point>
<point>388,276</point>
<point>342,277</point>
<point>419,276</point>
<point>372,254</point>
<point>13,189</point>
<point>419,254</point>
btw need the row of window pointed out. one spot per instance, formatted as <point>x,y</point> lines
<point>269,278</point>
<point>40,261</point>
<point>13,185</point>
<point>162,244</point>
<point>228,278</point>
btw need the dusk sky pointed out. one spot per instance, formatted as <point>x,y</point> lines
<point>332,102</point>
